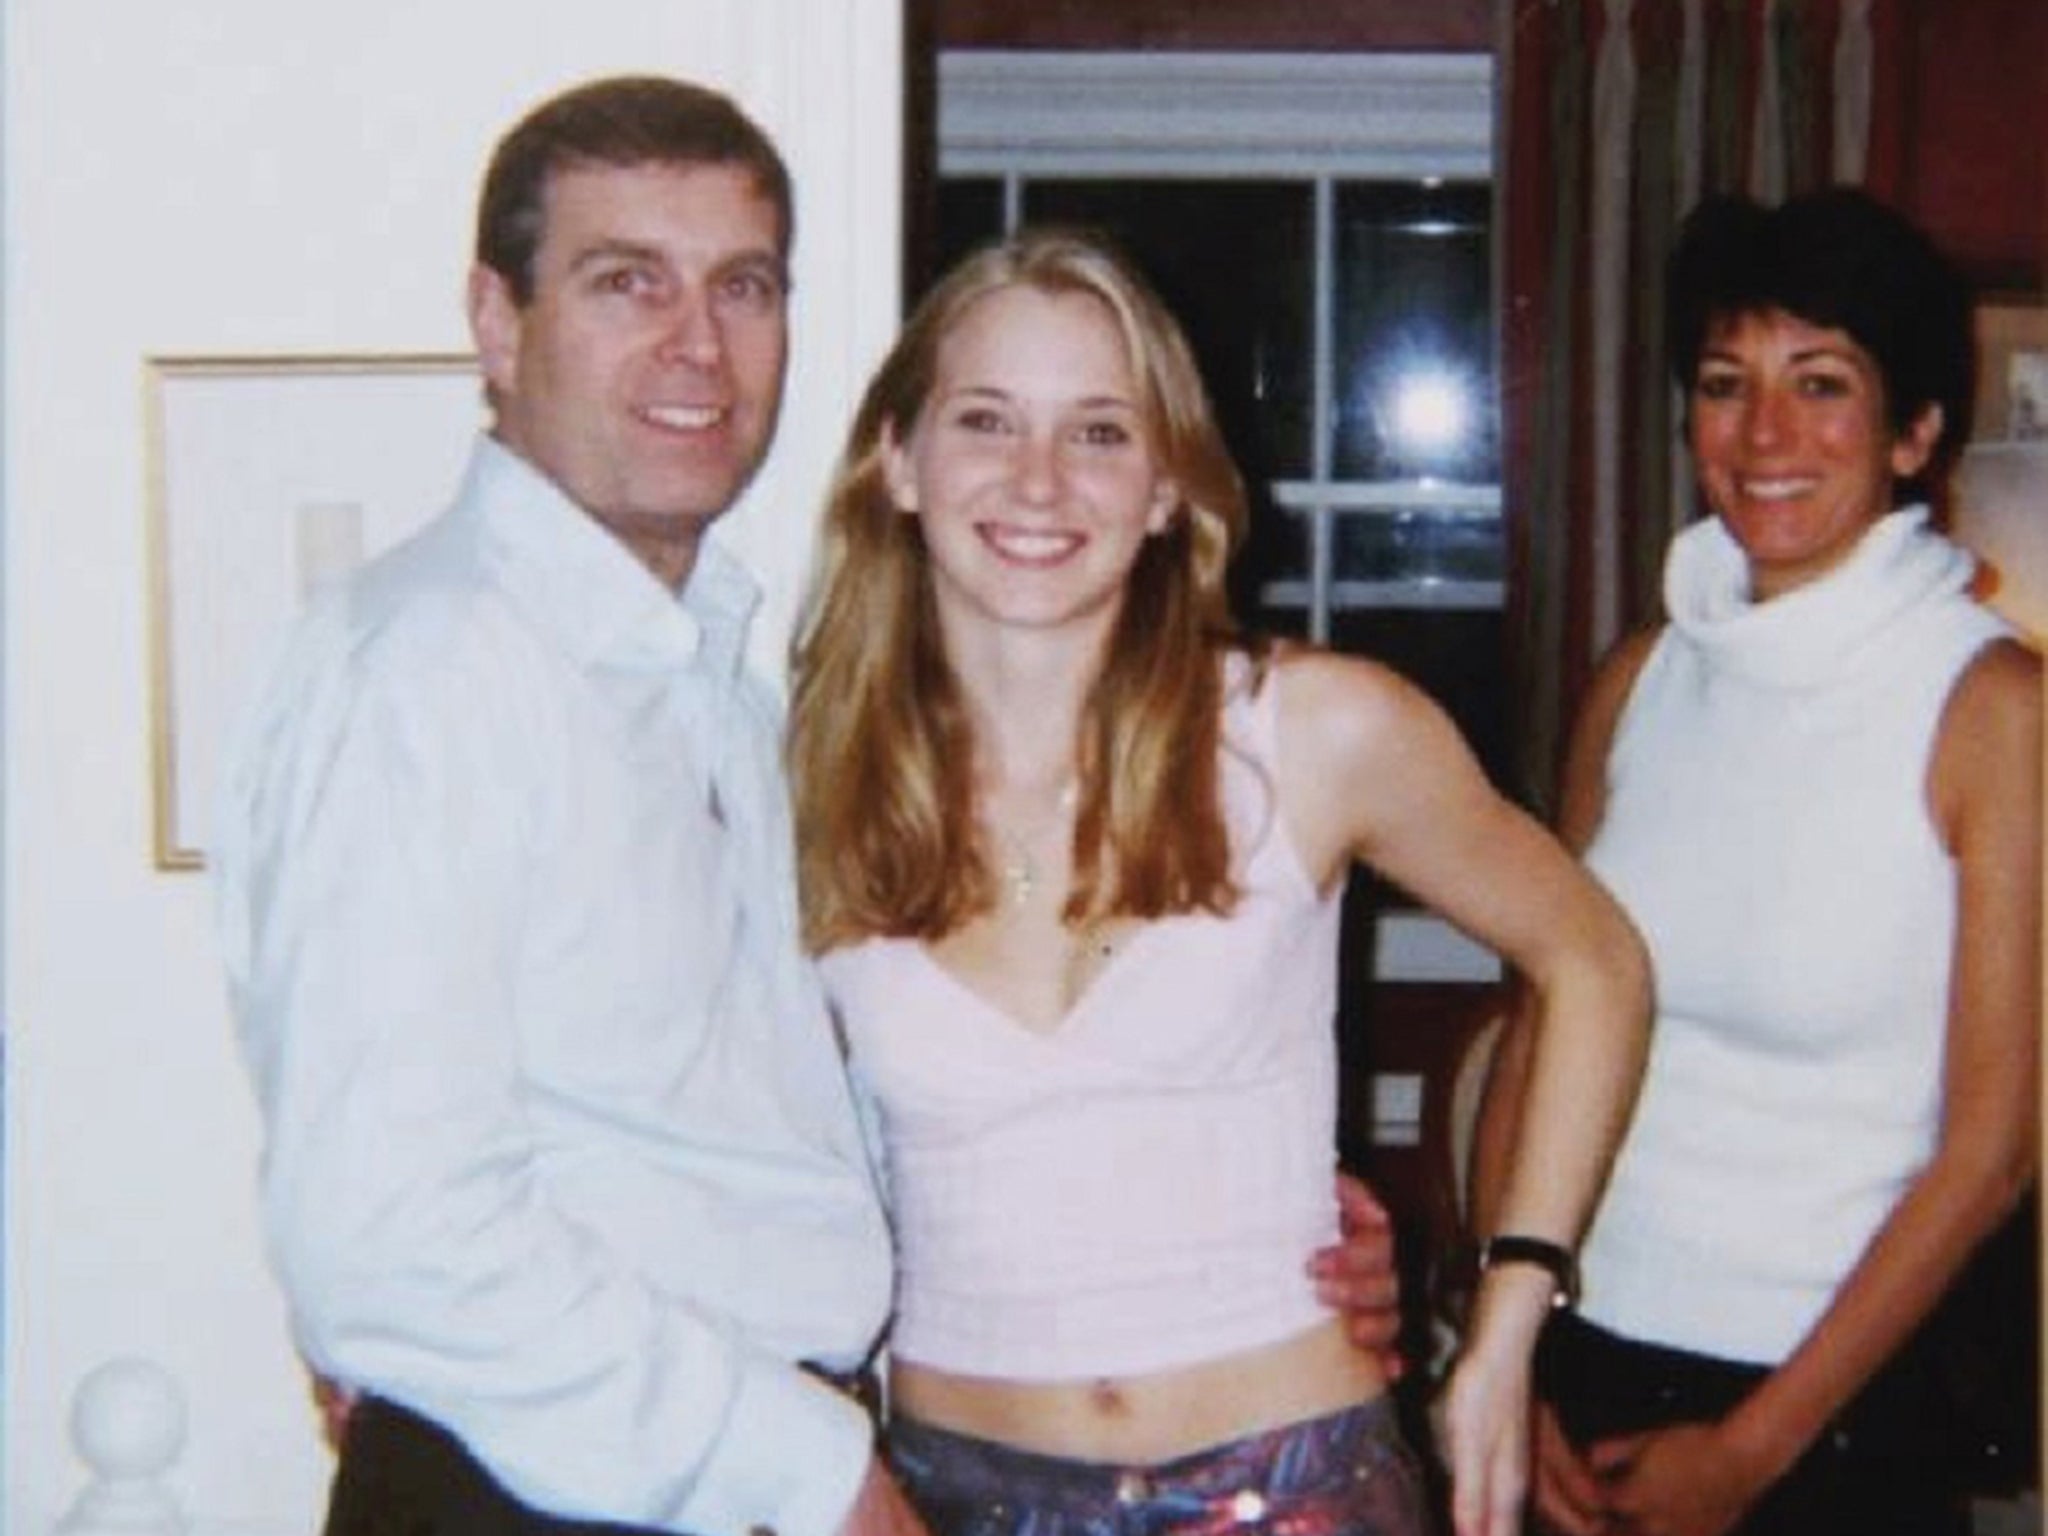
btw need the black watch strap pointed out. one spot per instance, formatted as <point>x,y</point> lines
<point>1511,1248</point>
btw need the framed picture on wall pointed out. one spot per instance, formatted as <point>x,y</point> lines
<point>269,479</point>
<point>2012,371</point>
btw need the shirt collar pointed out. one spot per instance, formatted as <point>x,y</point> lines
<point>581,584</point>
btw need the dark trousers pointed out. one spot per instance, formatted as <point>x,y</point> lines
<point>1885,1467</point>
<point>403,1475</point>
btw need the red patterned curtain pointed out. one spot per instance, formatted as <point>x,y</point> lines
<point>1616,116</point>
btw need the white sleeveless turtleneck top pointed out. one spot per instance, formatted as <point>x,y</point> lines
<point>1766,826</point>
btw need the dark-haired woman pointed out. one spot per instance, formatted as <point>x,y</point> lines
<point>1817,792</point>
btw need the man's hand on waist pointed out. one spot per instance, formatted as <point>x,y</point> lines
<point>1356,1275</point>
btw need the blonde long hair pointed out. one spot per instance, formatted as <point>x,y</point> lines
<point>881,751</point>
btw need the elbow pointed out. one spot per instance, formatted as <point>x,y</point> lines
<point>1638,981</point>
<point>1991,1179</point>
<point>1622,961</point>
<point>2012,1177</point>
<point>1599,985</point>
<point>340,1250</point>
<point>2014,1161</point>
<point>318,1262</point>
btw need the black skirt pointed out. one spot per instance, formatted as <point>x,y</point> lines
<point>1887,1466</point>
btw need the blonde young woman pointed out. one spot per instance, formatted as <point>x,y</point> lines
<point>1072,850</point>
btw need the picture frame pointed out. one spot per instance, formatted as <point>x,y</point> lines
<point>269,478</point>
<point>2012,370</point>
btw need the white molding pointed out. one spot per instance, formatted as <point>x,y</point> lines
<point>1216,114</point>
<point>1434,594</point>
<point>1444,498</point>
<point>827,82</point>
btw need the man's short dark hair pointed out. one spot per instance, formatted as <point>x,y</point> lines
<point>621,120</point>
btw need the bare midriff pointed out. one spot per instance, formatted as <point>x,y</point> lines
<point>1155,1416</point>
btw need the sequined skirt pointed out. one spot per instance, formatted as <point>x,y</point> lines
<point>1345,1474</point>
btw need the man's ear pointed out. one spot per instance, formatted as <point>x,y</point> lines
<point>897,473</point>
<point>494,326</point>
<point>1916,444</point>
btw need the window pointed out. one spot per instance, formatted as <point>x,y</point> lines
<point>1321,225</point>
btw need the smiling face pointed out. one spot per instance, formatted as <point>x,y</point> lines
<point>1031,464</point>
<point>1792,446</point>
<point>644,374</point>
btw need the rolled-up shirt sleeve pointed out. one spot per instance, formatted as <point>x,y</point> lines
<point>374,882</point>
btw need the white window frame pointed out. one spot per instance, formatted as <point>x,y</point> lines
<point>1323,118</point>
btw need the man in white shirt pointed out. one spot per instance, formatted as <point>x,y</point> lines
<point>562,1170</point>
<point>563,1177</point>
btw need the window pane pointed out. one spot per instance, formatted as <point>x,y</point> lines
<point>1233,260</point>
<point>1413,392</point>
<point>1269,578</point>
<point>970,212</point>
<point>1457,656</point>
<point>1419,545</point>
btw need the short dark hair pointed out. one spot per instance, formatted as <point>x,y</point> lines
<point>1837,258</point>
<point>622,120</point>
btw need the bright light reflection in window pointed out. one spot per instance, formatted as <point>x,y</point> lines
<point>1432,414</point>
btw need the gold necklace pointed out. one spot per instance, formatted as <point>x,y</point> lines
<point>1092,942</point>
<point>1019,869</point>
<point>1020,874</point>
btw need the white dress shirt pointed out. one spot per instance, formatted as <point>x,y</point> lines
<point>560,1151</point>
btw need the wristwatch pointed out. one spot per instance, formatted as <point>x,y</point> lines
<point>1511,1248</point>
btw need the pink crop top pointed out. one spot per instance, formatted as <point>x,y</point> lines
<point>1141,1188</point>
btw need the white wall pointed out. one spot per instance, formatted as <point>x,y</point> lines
<point>263,176</point>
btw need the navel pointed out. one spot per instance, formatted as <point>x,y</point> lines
<point>1107,1398</point>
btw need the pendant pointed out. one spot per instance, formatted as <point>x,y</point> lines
<point>1020,876</point>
